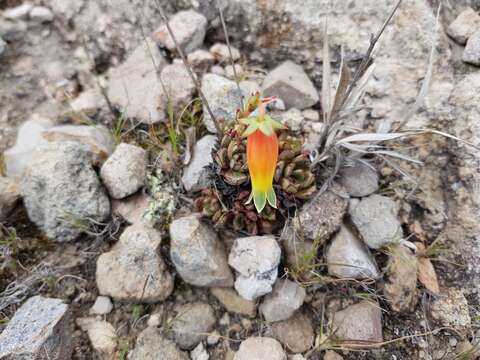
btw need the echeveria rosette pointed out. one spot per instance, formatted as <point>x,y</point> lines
<point>262,154</point>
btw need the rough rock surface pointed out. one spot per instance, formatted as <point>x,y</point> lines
<point>179,85</point>
<point>195,176</point>
<point>201,60</point>
<point>189,28</point>
<point>101,334</point>
<point>290,83</point>
<point>451,309</point>
<point>376,219</point>
<point>260,348</point>
<point>359,180</point>
<point>222,55</point>
<point>348,257</point>
<point>296,333</point>
<point>60,187</point>
<point>150,343</point>
<point>41,326</point>
<point>28,138</point>
<point>132,208</point>
<point>471,54</point>
<point>321,216</point>
<point>198,254</point>
<point>102,306</point>
<point>9,196</point>
<point>286,297</point>
<point>234,303</point>
<point>222,96</point>
<point>464,26</point>
<point>134,86</point>
<point>192,324</point>
<point>256,259</point>
<point>359,322</point>
<point>125,170</point>
<point>133,269</point>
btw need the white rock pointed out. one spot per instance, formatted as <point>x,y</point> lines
<point>311,115</point>
<point>201,60</point>
<point>132,208</point>
<point>125,170</point>
<point>154,320</point>
<point>195,176</point>
<point>348,257</point>
<point>213,338</point>
<point>180,87</point>
<point>376,219</point>
<point>293,118</point>
<point>102,306</point>
<point>88,102</point>
<point>290,83</point>
<point>189,28</point>
<point>40,325</point>
<point>229,73</point>
<point>217,70</point>
<point>133,270</point>
<point>250,87</point>
<point>41,14</point>
<point>101,334</point>
<point>198,254</point>
<point>19,12</point>
<point>28,138</point>
<point>359,179</point>
<point>260,348</point>
<point>199,353</point>
<point>464,26</point>
<point>471,54</point>
<point>221,54</point>
<point>222,96</point>
<point>152,345</point>
<point>256,260</point>
<point>286,297</point>
<point>134,86</point>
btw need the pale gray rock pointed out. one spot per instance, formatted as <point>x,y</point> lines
<point>199,353</point>
<point>189,28</point>
<point>192,324</point>
<point>40,329</point>
<point>286,297</point>
<point>198,254</point>
<point>102,306</point>
<point>296,333</point>
<point>321,216</point>
<point>250,87</point>
<point>134,87</point>
<point>124,172</point>
<point>223,97</point>
<point>256,259</point>
<point>464,26</point>
<point>29,136</point>
<point>60,187</point>
<point>41,14</point>
<point>201,60</point>
<point>151,343</point>
<point>195,175</point>
<point>217,70</point>
<point>451,309</point>
<point>260,348</point>
<point>11,31</point>
<point>348,257</point>
<point>133,270</point>
<point>101,334</point>
<point>376,219</point>
<point>358,323</point>
<point>97,138</point>
<point>471,54</point>
<point>9,196</point>
<point>132,208</point>
<point>290,83</point>
<point>222,55</point>
<point>88,102</point>
<point>19,12</point>
<point>359,179</point>
<point>179,85</point>
<point>229,73</point>
<point>292,118</point>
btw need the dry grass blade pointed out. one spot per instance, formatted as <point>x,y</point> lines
<point>189,68</point>
<point>326,77</point>
<point>342,87</point>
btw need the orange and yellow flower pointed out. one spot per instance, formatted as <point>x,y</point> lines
<point>262,155</point>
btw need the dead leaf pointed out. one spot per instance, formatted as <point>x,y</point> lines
<point>189,142</point>
<point>427,275</point>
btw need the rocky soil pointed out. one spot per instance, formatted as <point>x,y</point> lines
<point>106,144</point>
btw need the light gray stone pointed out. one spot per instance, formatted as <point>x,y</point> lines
<point>451,308</point>
<point>221,54</point>
<point>40,329</point>
<point>260,348</point>
<point>9,196</point>
<point>124,172</point>
<point>29,137</point>
<point>151,343</point>
<point>359,179</point>
<point>348,257</point>
<point>292,118</point>
<point>195,175</point>
<point>19,12</point>
<point>217,70</point>
<point>229,73</point>
<point>358,324</point>
<point>192,324</point>
<point>290,83</point>
<point>88,102</point>
<point>296,333</point>
<point>286,297</point>
<point>256,259</point>
<point>179,85</point>
<point>132,208</point>
<point>134,87</point>
<point>376,219</point>
<point>102,306</point>
<point>133,270</point>
<point>97,138</point>
<point>101,334</point>
<point>199,353</point>
<point>464,26</point>
<point>471,54</point>
<point>321,216</point>
<point>41,14</point>
<point>223,97</point>
<point>201,60</point>
<point>198,254</point>
<point>189,28</point>
<point>60,188</point>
